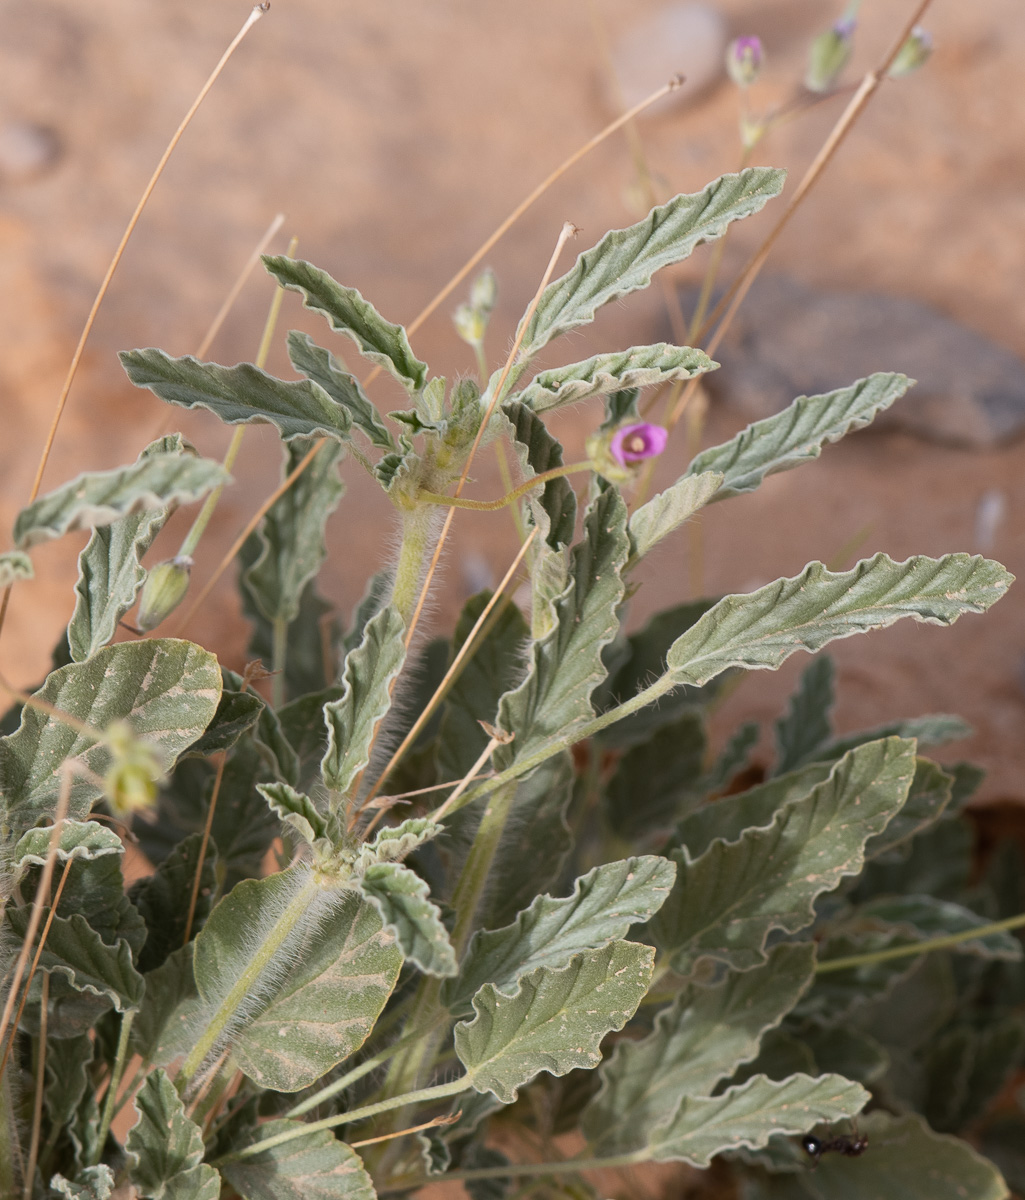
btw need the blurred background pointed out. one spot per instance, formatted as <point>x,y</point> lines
<point>395,137</point>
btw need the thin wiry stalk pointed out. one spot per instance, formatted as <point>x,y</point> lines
<point>204,843</point>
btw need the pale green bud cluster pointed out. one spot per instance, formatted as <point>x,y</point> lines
<point>163,591</point>
<point>471,320</point>
<point>830,52</point>
<point>131,780</point>
<point>915,53</point>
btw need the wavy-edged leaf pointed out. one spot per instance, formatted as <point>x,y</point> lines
<point>237,712</point>
<point>67,1078</point>
<point>319,364</point>
<point>110,570</point>
<point>967,1067</point>
<point>164,899</point>
<point>798,433</point>
<point>603,905</point>
<point>14,565</point>
<point>806,724</point>
<point>314,1167</point>
<point>164,1144</point>
<point>928,799</point>
<point>291,535</point>
<point>904,920</point>
<point>554,1020</point>
<point>759,631</point>
<point>240,395</point>
<point>906,1161</point>
<point>76,951</point>
<point>378,340</point>
<point>667,511</point>
<point>726,902</point>
<point>605,374</point>
<point>163,1027</point>
<point>750,1114</point>
<point>295,809</point>
<point>87,840</point>
<point>656,781</point>
<point>394,842</point>
<point>625,259</point>
<point>566,664</point>
<point>306,1012</point>
<point>697,1042</point>
<point>936,729</point>
<point>100,497</point>
<point>90,1183</point>
<point>352,721</point>
<point>733,757</point>
<point>168,690</point>
<point>401,898</point>
<point>555,511</point>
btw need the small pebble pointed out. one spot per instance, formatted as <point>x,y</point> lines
<point>26,151</point>
<point>678,39</point>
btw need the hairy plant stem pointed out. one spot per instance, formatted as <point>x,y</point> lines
<point>116,1072</point>
<point>926,947</point>
<point>417,526</point>
<point>510,497</point>
<point>279,660</point>
<point>245,983</point>
<point>423,1096</point>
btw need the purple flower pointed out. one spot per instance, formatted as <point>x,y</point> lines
<point>744,58</point>
<point>634,443</point>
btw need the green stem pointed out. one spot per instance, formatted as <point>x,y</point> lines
<point>561,1167</point>
<point>279,658</point>
<point>188,546</point>
<point>116,1072</point>
<point>510,497</point>
<point>350,1077</point>
<point>423,1096</point>
<point>939,943</point>
<point>417,526</point>
<point>245,983</point>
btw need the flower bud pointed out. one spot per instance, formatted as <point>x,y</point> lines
<point>163,591</point>
<point>615,452</point>
<point>470,324</point>
<point>744,59</point>
<point>484,292</point>
<point>913,54</point>
<point>131,780</point>
<point>829,54</point>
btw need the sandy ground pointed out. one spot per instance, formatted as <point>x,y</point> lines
<point>395,137</point>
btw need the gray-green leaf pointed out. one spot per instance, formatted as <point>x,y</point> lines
<point>319,364</point>
<point>379,340</point>
<point>100,497</point>
<point>164,1143</point>
<point>14,565</point>
<point>555,1019</point>
<point>726,902</point>
<point>604,904</point>
<point>314,1167</point>
<point>625,259</point>
<point>698,1041</point>
<point>554,511</point>
<point>167,689</point>
<point>352,721</point>
<point>401,898</point>
<point>798,433</point>
<point>667,511</point>
<point>76,951</point>
<point>91,1183</point>
<point>638,367</point>
<point>806,724</point>
<point>240,395</point>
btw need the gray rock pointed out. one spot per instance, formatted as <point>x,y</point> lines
<point>677,39</point>
<point>789,339</point>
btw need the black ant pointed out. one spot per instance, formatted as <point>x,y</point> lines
<point>850,1147</point>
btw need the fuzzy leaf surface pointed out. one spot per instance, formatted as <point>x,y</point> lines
<point>306,1012</point>
<point>806,724</point>
<point>566,664</point>
<point>759,631</point>
<point>91,1183</point>
<point>240,395</point>
<point>699,1040</point>
<point>291,535</point>
<point>604,904</point>
<point>319,364</point>
<point>14,565</point>
<point>352,721</point>
<point>554,1020</point>
<point>669,509</point>
<point>314,1167</point>
<point>928,799</point>
<point>110,570</point>
<point>168,690</point>
<point>88,840</point>
<point>100,497</point>
<point>555,512</point>
<point>378,340</point>
<point>163,899</point>
<point>726,902</point>
<point>798,433</point>
<point>906,1161</point>
<point>638,367</point>
<point>625,259</point>
<point>163,1142</point>
<point>76,951</point>
<point>935,729</point>
<point>401,898</point>
<point>749,1115</point>
<point>655,781</point>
